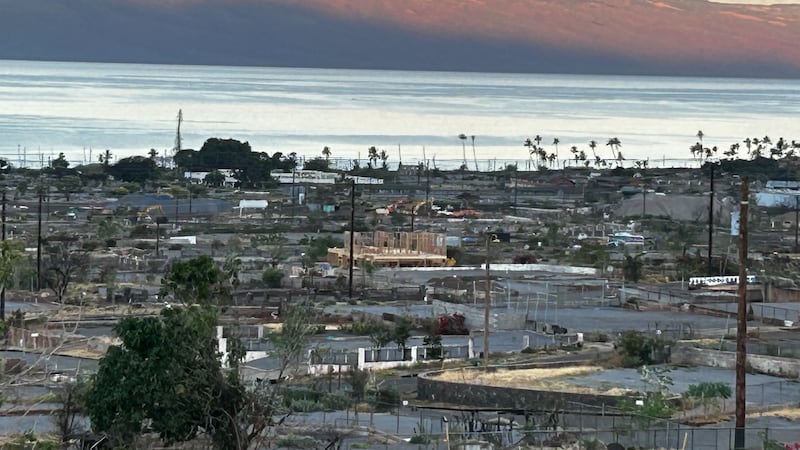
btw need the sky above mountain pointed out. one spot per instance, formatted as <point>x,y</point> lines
<point>656,37</point>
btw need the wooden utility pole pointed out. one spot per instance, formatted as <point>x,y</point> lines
<point>352,234</point>
<point>39,244</point>
<point>486,306</point>
<point>741,328</point>
<point>796,224</point>
<point>710,270</point>
<point>487,303</point>
<point>3,291</point>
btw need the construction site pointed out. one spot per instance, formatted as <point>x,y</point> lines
<point>391,249</point>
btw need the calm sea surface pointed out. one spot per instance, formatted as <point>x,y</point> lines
<point>82,109</point>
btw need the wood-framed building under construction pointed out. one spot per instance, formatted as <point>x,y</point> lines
<point>392,249</point>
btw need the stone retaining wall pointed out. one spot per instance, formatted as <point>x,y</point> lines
<point>770,365</point>
<point>434,390</point>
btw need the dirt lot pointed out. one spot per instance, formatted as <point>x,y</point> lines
<point>545,379</point>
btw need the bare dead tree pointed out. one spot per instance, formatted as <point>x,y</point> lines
<point>63,264</point>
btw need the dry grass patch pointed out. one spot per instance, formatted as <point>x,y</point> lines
<point>540,379</point>
<point>785,413</point>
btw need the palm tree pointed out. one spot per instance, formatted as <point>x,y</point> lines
<point>755,153</point>
<point>732,152</point>
<point>474,156</point>
<point>373,156</point>
<point>463,138</point>
<point>778,149</point>
<point>542,156</point>
<point>748,143</point>
<point>615,144</point>
<point>556,141</point>
<point>593,146</point>
<point>791,153</point>
<point>105,158</point>
<point>700,136</point>
<point>326,152</point>
<point>384,157</point>
<point>529,145</point>
<point>697,150</point>
<point>620,158</point>
<point>574,150</point>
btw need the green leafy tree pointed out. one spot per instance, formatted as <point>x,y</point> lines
<point>197,190</point>
<point>134,169</point>
<point>10,256</point>
<point>632,267</point>
<point>321,164</point>
<point>709,392</point>
<point>197,281</point>
<point>108,229</point>
<point>640,349</point>
<point>358,379</point>
<point>275,240</point>
<point>60,162</point>
<point>69,184</point>
<point>397,219</point>
<point>317,247</point>
<point>402,332</point>
<point>251,169</point>
<point>215,178</point>
<point>166,376</point>
<point>21,188</point>
<point>381,336</point>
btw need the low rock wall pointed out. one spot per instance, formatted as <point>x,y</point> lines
<point>478,395</point>
<point>770,365</point>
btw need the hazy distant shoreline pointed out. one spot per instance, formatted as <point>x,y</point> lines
<point>82,109</point>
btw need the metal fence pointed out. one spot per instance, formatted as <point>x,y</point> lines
<point>574,430</point>
<point>770,313</point>
<point>585,425</point>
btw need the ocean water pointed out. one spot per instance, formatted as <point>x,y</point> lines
<point>81,109</point>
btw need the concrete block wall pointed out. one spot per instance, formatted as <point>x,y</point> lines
<point>770,365</point>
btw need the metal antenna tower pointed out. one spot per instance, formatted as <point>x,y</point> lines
<point>177,147</point>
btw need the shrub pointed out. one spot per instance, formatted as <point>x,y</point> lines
<point>421,435</point>
<point>385,399</point>
<point>335,401</point>
<point>272,277</point>
<point>303,405</point>
<point>715,389</point>
<point>296,441</point>
<point>639,349</point>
